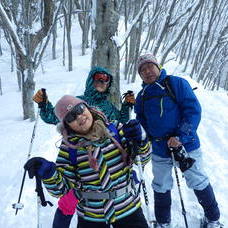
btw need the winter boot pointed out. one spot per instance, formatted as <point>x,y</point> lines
<point>207,200</point>
<point>161,225</point>
<point>162,207</point>
<point>205,223</point>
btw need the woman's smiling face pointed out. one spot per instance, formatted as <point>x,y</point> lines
<point>83,122</point>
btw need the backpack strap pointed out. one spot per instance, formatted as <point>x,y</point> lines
<point>112,128</point>
<point>73,155</point>
<point>168,86</point>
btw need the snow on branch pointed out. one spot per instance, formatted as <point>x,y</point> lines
<point>7,24</point>
<point>128,32</point>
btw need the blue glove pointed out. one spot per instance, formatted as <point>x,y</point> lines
<point>133,131</point>
<point>40,167</point>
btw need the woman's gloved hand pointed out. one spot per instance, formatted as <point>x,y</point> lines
<point>133,131</point>
<point>68,203</point>
<point>40,167</point>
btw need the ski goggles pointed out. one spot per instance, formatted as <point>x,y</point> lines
<point>74,113</point>
<point>101,78</point>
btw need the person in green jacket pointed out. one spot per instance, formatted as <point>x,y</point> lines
<point>96,94</point>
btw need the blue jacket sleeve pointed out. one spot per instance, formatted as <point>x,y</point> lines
<point>190,111</point>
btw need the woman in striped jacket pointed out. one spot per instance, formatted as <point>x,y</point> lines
<point>96,161</point>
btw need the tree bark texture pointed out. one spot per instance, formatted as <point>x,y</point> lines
<point>105,50</point>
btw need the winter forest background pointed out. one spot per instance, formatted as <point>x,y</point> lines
<point>47,41</point>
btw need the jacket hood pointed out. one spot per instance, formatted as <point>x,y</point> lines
<point>90,91</point>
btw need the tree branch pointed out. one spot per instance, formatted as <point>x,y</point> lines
<point>10,29</point>
<point>128,32</point>
<point>47,23</point>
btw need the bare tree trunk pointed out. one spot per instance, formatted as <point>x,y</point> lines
<point>68,23</point>
<point>202,42</point>
<point>0,42</point>
<point>133,40</point>
<point>19,75</point>
<point>211,51</point>
<point>164,28</point>
<point>226,82</point>
<point>54,36</point>
<point>25,46</point>
<point>86,26</point>
<point>105,50</point>
<point>28,87</point>
<point>191,40</point>
<point>28,84</point>
<point>126,44</point>
<point>138,33</point>
<point>64,43</point>
<point>1,86</point>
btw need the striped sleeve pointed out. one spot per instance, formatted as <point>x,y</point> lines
<point>64,177</point>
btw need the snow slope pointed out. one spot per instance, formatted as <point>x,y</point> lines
<point>16,134</point>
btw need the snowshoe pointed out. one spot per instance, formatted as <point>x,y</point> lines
<point>207,224</point>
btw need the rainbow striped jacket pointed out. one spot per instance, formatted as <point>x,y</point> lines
<point>113,174</point>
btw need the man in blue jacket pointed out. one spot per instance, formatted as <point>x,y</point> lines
<point>171,118</point>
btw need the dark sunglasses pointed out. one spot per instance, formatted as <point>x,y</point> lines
<point>74,112</point>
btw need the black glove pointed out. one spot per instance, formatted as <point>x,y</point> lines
<point>133,131</point>
<point>40,167</point>
<point>182,156</point>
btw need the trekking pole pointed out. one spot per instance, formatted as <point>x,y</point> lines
<point>19,205</point>
<point>179,189</point>
<point>142,183</point>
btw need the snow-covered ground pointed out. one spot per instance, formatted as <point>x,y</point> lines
<point>16,134</point>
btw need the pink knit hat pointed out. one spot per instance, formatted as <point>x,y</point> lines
<point>146,58</point>
<point>65,104</point>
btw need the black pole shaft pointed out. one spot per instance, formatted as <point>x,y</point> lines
<point>29,154</point>
<point>22,185</point>
<point>179,190</point>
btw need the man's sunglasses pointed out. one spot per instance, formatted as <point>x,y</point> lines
<point>101,78</point>
<point>74,112</point>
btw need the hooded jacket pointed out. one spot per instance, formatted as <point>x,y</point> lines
<point>111,174</point>
<point>162,117</point>
<point>93,98</point>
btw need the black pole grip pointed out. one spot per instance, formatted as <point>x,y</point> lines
<point>44,94</point>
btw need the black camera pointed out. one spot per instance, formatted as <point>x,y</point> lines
<point>182,156</point>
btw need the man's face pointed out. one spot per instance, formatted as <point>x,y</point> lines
<point>149,73</point>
